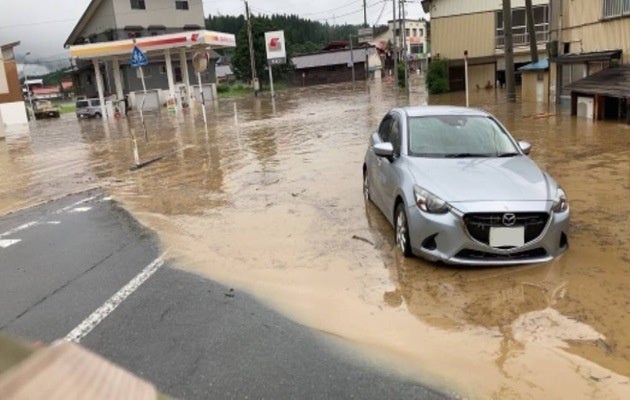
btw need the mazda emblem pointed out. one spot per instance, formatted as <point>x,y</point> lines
<point>509,219</point>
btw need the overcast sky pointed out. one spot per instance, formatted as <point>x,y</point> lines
<point>42,26</point>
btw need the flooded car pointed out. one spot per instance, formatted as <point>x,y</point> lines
<point>45,109</point>
<point>458,188</point>
<point>88,108</point>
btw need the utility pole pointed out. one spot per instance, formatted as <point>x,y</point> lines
<point>508,51</point>
<point>352,60</point>
<point>31,113</point>
<point>531,30</point>
<point>404,43</point>
<point>252,59</point>
<point>365,25</point>
<point>395,55</point>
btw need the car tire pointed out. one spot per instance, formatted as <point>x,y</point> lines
<point>401,231</point>
<point>366,186</point>
<point>97,115</point>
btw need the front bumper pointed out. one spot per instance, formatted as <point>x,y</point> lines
<point>444,237</point>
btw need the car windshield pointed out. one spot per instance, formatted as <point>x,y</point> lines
<point>82,103</point>
<point>458,136</point>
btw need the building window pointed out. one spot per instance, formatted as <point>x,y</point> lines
<point>616,8</point>
<point>421,31</point>
<point>146,71</point>
<point>520,36</point>
<point>417,48</point>
<point>138,5</point>
<point>181,5</point>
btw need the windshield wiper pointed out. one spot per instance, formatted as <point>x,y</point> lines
<point>514,154</point>
<point>465,155</point>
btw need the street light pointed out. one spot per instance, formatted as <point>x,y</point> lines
<point>28,89</point>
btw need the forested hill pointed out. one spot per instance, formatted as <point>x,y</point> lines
<point>301,35</point>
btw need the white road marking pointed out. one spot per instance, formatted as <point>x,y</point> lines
<point>78,203</point>
<point>80,209</point>
<point>19,228</point>
<point>110,305</point>
<point>53,222</point>
<point>108,198</point>
<point>9,242</point>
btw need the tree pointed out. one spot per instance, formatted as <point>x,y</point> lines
<point>533,47</point>
<point>241,60</point>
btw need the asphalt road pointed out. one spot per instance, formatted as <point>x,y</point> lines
<point>191,337</point>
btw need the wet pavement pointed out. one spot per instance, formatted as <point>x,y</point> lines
<point>268,199</point>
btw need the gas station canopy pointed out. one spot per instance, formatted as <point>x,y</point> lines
<point>188,40</point>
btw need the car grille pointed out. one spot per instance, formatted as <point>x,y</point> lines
<point>481,255</point>
<point>479,224</point>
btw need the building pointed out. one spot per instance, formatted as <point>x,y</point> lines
<point>477,27</point>
<point>12,108</point>
<point>535,79</point>
<point>103,38</point>
<point>589,37</point>
<point>416,39</point>
<point>334,64</point>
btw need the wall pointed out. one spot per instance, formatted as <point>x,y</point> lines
<point>4,83</point>
<point>102,20</point>
<point>475,33</point>
<point>13,113</point>
<point>480,75</point>
<point>328,74</point>
<point>582,22</point>
<point>159,12</point>
<point>442,8</point>
<point>14,92</point>
<point>530,84</point>
<point>156,80</point>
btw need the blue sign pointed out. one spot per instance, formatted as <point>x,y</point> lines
<point>138,58</point>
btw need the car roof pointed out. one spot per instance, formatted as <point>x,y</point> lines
<point>424,111</point>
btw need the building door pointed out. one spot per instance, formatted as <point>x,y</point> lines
<point>456,78</point>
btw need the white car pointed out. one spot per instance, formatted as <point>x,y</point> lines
<point>459,189</point>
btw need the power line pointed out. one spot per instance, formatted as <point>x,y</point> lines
<point>358,10</point>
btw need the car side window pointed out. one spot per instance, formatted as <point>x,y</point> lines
<point>394,135</point>
<point>384,129</point>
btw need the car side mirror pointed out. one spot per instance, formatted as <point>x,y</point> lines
<point>384,149</point>
<point>525,146</point>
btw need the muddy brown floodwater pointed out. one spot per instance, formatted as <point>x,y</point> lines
<point>268,199</point>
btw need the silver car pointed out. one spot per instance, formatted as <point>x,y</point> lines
<point>459,189</point>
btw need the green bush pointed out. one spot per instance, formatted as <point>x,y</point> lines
<point>437,76</point>
<point>401,75</point>
<point>223,88</point>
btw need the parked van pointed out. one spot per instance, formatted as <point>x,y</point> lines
<point>88,108</point>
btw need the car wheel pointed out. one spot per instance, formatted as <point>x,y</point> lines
<point>97,115</point>
<point>366,186</point>
<point>402,231</point>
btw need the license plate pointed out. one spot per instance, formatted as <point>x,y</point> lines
<point>507,237</point>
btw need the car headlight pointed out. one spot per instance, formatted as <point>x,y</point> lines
<point>560,202</point>
<point>429,202</point>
